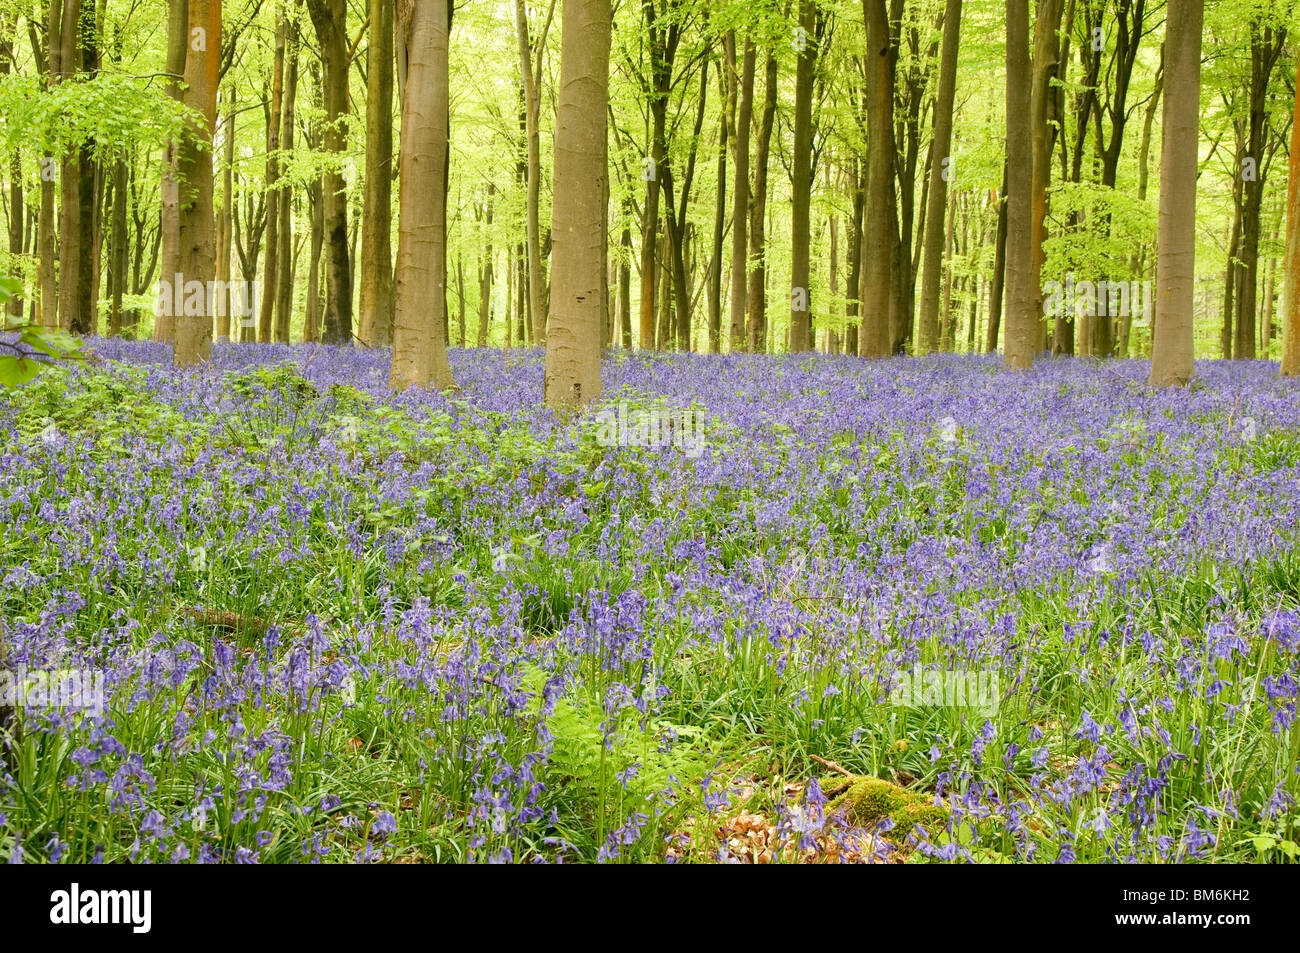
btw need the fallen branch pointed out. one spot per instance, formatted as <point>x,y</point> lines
<point>231,621</point>
<point>832,766</point>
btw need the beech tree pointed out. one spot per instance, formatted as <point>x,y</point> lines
<point>578,273</point>
<point>939,175</point>
<point>330,20</point>
<point>801,176</point>
<point>196,219</point>
<point>878,247</point>
<point>419,345</point>
<point>1291,266</point>
<point>1173,347</point>
<point>375,317</point>
<point>1021,323</point>
<point>740,196</point>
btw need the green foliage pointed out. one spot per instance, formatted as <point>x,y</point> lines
<point>33,347</point>
<point>869,801</point>
<point>106,112</point>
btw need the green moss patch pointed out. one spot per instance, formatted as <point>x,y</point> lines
<point>865,802</point>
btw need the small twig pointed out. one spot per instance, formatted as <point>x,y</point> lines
<point>231,621</point>
<point>832,766</point>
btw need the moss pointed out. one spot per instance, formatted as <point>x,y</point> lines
<point>870,800</point>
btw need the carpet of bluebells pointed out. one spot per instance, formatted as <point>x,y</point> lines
<point>338,624</point>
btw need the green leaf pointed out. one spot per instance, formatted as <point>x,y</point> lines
<point>17,370</point>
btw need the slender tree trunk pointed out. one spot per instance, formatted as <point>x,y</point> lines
<point>1137,263</point>
<point>1046,60</point>
<point>519,269</point>
<point>1231,277</point>
<point>532,109</point>
<point>224,214</point>
<point>578,212</point>
<point>70,251</point>
<point>940,167</point>
<point>1021,320</point>
<point>662,45</point>
<point>740,200</point>
<point>801,179</point>
<point>178,42</point>
<point>485,276</point>
<point>950,218</point>
<point>676,266</point>
<point>757,298</point>
<point>17,211</point>
<point>853,287</point>
<point>265,328</point>
<point>330,20</point>
<point>878,235</point>
<point>460,299</point>
<point>1291,257</point>
<point>419,342</point>
<point>719,218</point>
<point>376,305</point>
<point>1172,361</point>
<point>311,326</point>
<point>117,251</point>
<point>1265,47</point>
<point>680,230</point>
<point>197,255</point>
<point>286,266</point>
<point>47,302</point>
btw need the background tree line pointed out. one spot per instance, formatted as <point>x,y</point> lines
<point>851,176</point>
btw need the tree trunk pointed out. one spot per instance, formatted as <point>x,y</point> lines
<point>1137,263</point>
<point>1021,320</point>
<point>757,298</point>
<point>720,214</point>
<point>197,255</point>
<point>740,200</point>
<point>532,107</point>
<point>577,293</point>
<point>47,302</point>
<point>330,20</point>
<point>485,276</point>
<point>878,234</point>
<point>1129,18</point>
<point>117,249</point>
<point>937,198</point>
<point>949,217</point>
<point>285,268</point>
<point>1291,256</point>
<point>1265,48</point>
<point>17,212</point>
<point>178,43</point>
<point>1046,56</point>
<point>801,179</point>
<point>1231,275</point>
<point>419,346</point>
<point>224,215</point>
<point>311,321</point>
<point>273,195</point>
<point>1172,361</point>
<point>375,319</point>
<point>853,289</point>
<point>70,250</point>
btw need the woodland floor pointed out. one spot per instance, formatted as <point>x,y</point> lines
<point>339,624</point>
